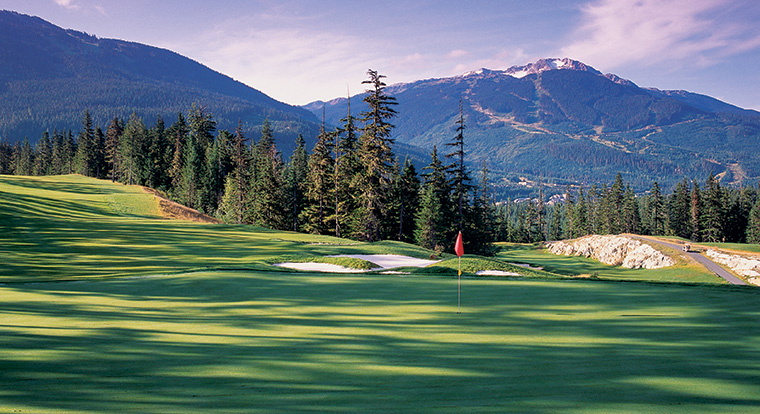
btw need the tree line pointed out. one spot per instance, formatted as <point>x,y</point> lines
<point>702,213</point>
<point>349,185</point>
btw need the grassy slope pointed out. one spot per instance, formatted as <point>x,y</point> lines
<point>66,227</point>
<point>252,341</point>
<point>574,265</point>
<point>267,342</point>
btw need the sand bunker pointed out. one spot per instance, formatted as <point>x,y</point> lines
<point>496,273</point>
<point>383,261</point>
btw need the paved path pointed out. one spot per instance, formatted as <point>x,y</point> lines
<point>709,264</point>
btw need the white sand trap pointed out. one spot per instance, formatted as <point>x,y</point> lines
<point>496,273</point>
<point>384,261</point>
<point>319,267</point>
<point>390,261</point>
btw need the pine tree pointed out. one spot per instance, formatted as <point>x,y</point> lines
<point>569,207</point>
<point>296,173</point>
<point>696,213</point>
<point>100,153</point>
<point>481,227</point>
<point>753,225</point>
<point>113,135</point>
<point>713,211</point>
<point>631,218</point>
<point>86,155</point>
<point>236,193</point>
<point>460,179</point>
<point>177,133</point>
<point>409,190</point>
<point>320,186</point>
<point>347,170</point>
<point>131,155</point>
<point>24,159</point>
<point>268,204</point>
<point>656,211</point>
<point>44,155</point>
<point>376,155</point>
<point>431,225</point>
<point>159,161</point>
<point>69,150</point>
<point>188,191</point>
<point>6,155</point>
<point>580,216</point>
<point>679,206</point>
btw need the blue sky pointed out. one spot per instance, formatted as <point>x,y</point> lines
<point>298,51</point>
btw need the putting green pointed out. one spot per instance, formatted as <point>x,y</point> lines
<point>266,342</point>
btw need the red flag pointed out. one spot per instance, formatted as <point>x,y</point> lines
<point>458,248</point>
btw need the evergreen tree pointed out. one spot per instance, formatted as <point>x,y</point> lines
<point>631,219</point>
<point>113,135</point>
<point>201,126</point>
<point>6,155</point>
<point>69,150</point>
<point>268,204</point>
<point>100,153</point>
<point>580,216</point>
<point>236,188</point>
<point>696,213</point>
<point>431,221</point>
<point>159,153</point>
<point>87,146</point>
<point>376,155</point>
<point>713,211</point>
<point>656,211</point>
<point>296,173</point>
<point>347,170</point>
<point>230,211</point>
<point>481,227</point>
<point>613,204</point>
<point>569,207</point>
<point>131,155</point>
<point>320,186</point>
<point>738,206</point>
<point>679,210</point>
<point>177,133</point>
<point>753,225</point>
<point>24,159</point>
<point>408,190</point>
<point>460,179</point>
<point>189,192</point>
<point>58,162</point>
<point>555,224</point>
<point>44,155</point>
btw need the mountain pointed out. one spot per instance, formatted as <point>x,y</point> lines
<point>562,122</point>
<point>49,76</point>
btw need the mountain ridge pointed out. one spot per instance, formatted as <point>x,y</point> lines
<point>56,74</point>
<point>561,121</point>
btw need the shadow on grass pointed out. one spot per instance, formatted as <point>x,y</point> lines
<point>265,342</point>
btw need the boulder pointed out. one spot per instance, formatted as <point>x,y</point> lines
<point>613,250</point>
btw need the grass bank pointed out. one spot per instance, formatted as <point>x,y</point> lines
<point>536,255</point>
<point>268,342</point>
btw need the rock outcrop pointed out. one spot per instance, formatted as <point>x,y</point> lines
<point>744,266</point>
<point>614,250</point>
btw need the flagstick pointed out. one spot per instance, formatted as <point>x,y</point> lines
<point>459,287</point>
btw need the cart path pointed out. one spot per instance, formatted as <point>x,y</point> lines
<point>709,264</point>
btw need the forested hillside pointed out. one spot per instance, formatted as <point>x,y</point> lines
<point>49,76</point>
<point>566,123</point>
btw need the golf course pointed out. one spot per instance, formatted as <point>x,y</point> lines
<point>107,306</point>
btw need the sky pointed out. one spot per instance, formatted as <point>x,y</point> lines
<point>299,51</point>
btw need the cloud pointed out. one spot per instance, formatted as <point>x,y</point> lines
<point>69,4</point>
<point>620,32</point>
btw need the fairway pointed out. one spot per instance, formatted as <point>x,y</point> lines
<point>264,342</point>
<point>107,307</point>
